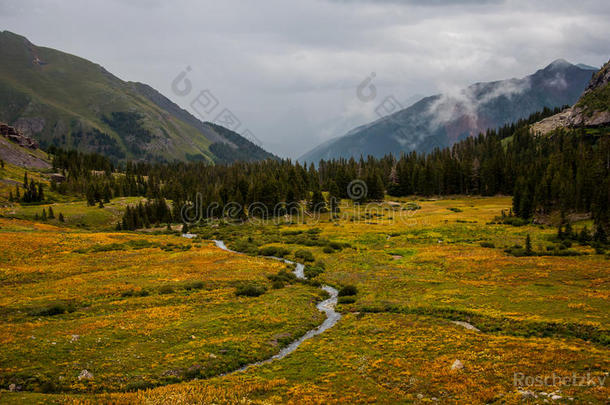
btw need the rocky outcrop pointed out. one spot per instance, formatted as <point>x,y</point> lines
<point>20,150</point>
<point>17,137</point>
<point>591,110</point>
<point>553,122</point>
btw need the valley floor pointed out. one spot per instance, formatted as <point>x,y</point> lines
<point>155,318</point>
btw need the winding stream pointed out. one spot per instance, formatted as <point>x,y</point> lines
<point>327,306</point>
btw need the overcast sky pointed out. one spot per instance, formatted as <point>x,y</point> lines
<point>290,69</point>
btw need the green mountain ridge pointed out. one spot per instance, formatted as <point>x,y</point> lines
<point>64,100</point>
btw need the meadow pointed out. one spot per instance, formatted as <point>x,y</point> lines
<point>158,320</point>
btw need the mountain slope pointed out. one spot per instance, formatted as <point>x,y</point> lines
<point>20,150</point>
<point>591,110</point>
<point>61,99</point>
<point>444,119</point>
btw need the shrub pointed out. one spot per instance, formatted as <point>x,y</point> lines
<point>487,245</point>
<point>245,246</point>
<point>194,285</point>
<point>166,289</point>
<point>284,276</point>
<point>313,270</point>
<point>513,221</point>
<point>335,245</point>
<point>273,251</point>
<point>454,209</point>
<point>136,293</point>
<point>55,308</point>
<point>411,206</point>
<point>306,255</point>
<point>347,300</point>
<point>268,251</point>
<point>348,290</point>
<point>328,249</point>
<point>277,284</point>
<point>250,290</point>
<point>49,387</point>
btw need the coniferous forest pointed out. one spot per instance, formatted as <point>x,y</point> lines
<point>567,171</point>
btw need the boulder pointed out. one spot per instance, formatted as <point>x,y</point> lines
<point>457,365</point>
<point>85,375</point>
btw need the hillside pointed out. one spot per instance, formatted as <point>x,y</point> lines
<point>63,100</point>
<point>591,110</point>
<point>20,150</point>
<point>444,119</point>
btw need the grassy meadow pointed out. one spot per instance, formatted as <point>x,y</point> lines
<point>156,318</point>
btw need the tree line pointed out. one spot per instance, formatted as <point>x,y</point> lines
<point>566,170</point>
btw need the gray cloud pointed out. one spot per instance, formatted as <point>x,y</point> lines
<point>289,70</point>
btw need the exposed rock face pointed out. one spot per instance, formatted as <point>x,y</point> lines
<point>20,150</point>
<point>30,126</point>
<point>17,137</point>
<point>591,110</point>
<point>549,124</point>
<point>593,107</point>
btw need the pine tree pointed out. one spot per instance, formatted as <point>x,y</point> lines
<point>600,235</point>
<point>584,237</point>
<point>61,217</point>
<point>51,213</point>
<point>528,245</point>
<point>185,228</point>
<point>91,195</point>
<point>317,203</point>
<point>107,193</point>
<point>333,197</point>
<point>44,215</point>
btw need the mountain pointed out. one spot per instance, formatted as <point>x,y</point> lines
<point>61,99</point>
<point>591,110</point>
<point>444,119</point>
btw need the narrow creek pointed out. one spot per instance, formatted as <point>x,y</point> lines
<point>327,306</point>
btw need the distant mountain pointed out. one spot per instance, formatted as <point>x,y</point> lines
<point>445,119</point>
<point>61,99</point>
<point>591,110</point>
